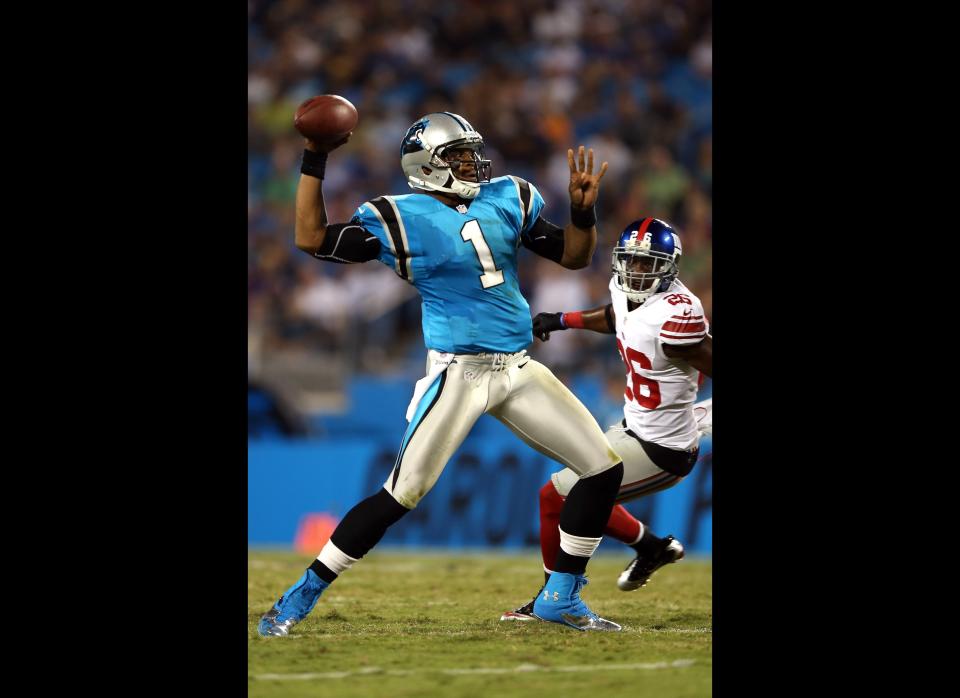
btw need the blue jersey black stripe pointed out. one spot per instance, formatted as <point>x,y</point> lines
<point>524,201</point>
<point>393,228</point>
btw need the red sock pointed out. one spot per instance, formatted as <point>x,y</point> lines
<point>551,503</point>
<point>622,526</point>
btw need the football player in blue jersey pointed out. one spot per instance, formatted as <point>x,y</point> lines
<point>457,240</point>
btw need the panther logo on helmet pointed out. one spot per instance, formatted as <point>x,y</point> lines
<point>411,142</point>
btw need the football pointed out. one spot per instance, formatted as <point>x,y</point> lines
<point>325,118</point>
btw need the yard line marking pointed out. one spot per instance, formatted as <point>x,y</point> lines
<point>677,630</point>
<point>480,632</point>
<point>519,669</point>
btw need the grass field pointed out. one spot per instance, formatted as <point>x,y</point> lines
<point>422,625</point>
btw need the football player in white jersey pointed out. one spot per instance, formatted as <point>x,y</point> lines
<point>664,341</point>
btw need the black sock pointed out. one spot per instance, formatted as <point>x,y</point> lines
<point>648,545</point>
<point>322,571</point>
<point>362,528</point>
<point>573,564</point>
<point>585,513</point>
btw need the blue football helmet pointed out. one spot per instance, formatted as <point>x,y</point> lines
<point>646,258</point>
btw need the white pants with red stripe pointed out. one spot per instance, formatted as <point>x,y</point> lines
<point>640,476</point>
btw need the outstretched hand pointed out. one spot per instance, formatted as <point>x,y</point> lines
<point>545,323</point>
<point>326,146</point>
<point>584,185</point>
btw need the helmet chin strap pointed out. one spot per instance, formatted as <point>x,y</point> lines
<point>632,294</point>
<point>640,297</point>
<point>466,190</point>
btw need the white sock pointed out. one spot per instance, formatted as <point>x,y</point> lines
<point>578,545</point>
<point>334,558</point>
<point>639,535</point>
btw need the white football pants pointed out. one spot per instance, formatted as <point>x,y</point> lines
<point>517,390</point>
<point>640,476</point>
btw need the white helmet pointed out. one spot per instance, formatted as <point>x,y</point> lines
<point>422,154</point>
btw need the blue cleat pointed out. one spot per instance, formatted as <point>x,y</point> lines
<point>293,606</point>
<point>559,602</point>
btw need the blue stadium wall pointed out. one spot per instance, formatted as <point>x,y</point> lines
<point>487,497</point>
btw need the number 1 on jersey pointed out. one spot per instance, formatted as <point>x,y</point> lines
<point>491,276</point>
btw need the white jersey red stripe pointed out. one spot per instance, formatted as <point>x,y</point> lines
<point>660,392</point>
<point>683,327</point>
<point>683,338</point>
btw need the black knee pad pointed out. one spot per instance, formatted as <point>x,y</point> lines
<point>612,475</point>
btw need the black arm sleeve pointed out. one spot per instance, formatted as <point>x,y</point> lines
<point>545,239</point>
<point>348,243</point>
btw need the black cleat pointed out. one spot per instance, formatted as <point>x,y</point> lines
<point>638,572</point>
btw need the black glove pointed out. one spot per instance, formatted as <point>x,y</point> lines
<point>545,323</point>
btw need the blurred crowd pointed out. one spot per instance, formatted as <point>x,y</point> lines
<point>629,78</point>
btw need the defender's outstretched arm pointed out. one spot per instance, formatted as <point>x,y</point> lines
<point>596,319</point>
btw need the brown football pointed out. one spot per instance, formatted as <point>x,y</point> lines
<point>325,118</point>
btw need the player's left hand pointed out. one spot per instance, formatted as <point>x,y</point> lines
<point>584,185</point>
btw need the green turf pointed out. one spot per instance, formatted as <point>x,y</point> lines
<point>422,625</point>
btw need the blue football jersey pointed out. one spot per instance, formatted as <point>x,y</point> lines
<point>463,262</point>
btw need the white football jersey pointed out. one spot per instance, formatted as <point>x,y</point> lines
<point>660,392</point>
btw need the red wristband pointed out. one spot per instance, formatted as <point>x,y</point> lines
<point>574,320</point>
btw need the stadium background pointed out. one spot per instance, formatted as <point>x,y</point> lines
<point>334,350</point>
